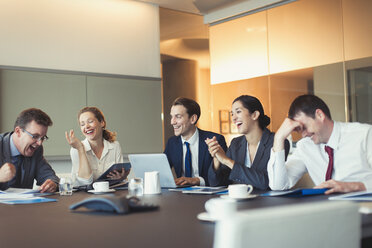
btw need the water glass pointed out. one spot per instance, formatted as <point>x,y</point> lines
<point>65,186</point>
<point>135,187</point>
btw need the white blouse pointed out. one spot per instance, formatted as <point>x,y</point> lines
<point>111,154</point>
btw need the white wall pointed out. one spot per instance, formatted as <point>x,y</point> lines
<point>101,36</point>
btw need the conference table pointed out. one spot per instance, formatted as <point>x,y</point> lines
<point>173,224</point>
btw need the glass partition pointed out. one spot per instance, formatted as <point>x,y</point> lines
<point>359,82</point>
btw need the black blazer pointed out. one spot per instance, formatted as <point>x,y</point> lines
<point>35,167</point>
<point>256,175</point>
<point>174,152</point>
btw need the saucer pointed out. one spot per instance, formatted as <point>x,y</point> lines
<point>101,192</point>
<point>246,197</point>
<point>205,217</point>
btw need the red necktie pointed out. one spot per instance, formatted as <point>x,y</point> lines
<point>329,150</point>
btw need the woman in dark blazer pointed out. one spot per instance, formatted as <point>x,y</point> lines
<point>246,159</point>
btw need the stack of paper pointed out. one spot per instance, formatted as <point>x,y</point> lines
<point>354,196</point>
<point>23,196</point>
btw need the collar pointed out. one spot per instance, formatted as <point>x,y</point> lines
<point>13,149</point>
<point>193,139</point>
<point>335,136</point>
<point>106,144</point>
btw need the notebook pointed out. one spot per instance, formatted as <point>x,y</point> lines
<point>142,163</point>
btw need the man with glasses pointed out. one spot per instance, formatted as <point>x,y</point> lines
<point>21,153</point>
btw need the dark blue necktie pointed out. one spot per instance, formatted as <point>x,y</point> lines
<point>188,160</point>
<point>17,161</point>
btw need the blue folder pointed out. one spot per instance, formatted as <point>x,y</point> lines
<point>296,192</point>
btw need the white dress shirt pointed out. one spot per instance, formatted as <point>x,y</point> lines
<point>111,154</point>
<point>352,145</point>
<point>194,149</point>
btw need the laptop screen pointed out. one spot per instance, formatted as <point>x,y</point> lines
<point>142,163</point>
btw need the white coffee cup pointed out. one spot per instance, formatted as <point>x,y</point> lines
<point>219,208</point>
<point>239,190</point>
<point>101,186</point>
<point>152,183</point>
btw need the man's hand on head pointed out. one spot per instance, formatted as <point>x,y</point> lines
<point>7,172</point>
<point>340,187</point>
<point>48,186</point>
<point>287,127</point>
<point>187,181</point>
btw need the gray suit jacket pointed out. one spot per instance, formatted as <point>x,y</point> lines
<point>35,167</point>
<point>256,175</point>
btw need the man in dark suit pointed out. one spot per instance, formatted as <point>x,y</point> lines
<point>21,153</point>
<point>187,151</point>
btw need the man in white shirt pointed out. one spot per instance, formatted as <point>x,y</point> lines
<point>336,155</point>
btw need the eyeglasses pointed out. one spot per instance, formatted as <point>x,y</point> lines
<point>36,137</point>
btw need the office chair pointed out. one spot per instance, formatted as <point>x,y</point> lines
<point>320,224</point>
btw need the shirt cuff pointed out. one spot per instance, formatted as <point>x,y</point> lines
<point>202,181</point>
<point>82,181</point>
<point>276,171</point>
<point>367,184</point>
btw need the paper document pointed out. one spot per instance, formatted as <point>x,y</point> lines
<point>355,196</point>
<point>23,196</point>
<point>29,200</point>
<point>20,191</point>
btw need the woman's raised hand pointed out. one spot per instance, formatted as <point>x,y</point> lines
<point>72,140</point>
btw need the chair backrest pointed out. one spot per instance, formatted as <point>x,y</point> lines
<point>321,224</point>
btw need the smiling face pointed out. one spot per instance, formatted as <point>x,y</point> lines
<point>313,127</point>
<point>182,123</point>
<point>242,118</point>
<point>24,143</point>
<point>90,126</point>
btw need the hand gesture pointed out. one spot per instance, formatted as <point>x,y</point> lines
<point>72,140</point>
<point>284,131</point>
<point>7,172</point>
<point>214,147</point>
<point>287,127</point>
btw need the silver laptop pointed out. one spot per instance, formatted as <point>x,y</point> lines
<point>142,163</point>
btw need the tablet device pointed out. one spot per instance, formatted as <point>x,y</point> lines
<point>205,190</point>
<point>118,167</point>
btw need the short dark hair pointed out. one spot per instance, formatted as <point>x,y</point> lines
<point>191,106</point>
<point>33,114</point>
<point>253,104</point>
<point>308,104</point>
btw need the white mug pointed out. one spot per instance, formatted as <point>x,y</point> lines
<point>219,208</point>
<point>101,186</point>
<point>152,183</point>
<point>239,190</point>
